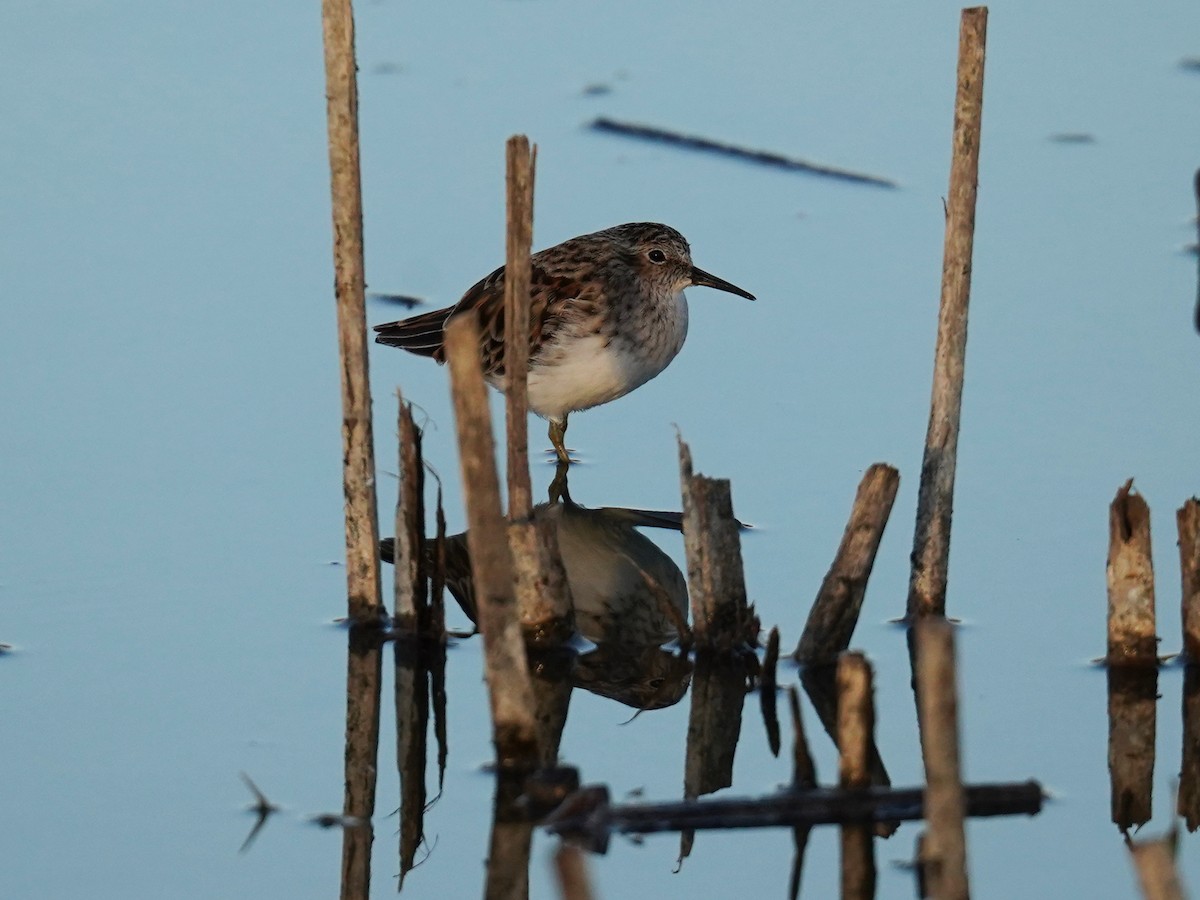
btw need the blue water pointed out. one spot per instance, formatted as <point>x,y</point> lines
<point>171,490</point>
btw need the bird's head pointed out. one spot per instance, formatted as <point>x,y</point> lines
<point>662,255</point>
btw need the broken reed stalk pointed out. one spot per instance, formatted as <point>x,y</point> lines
<point>1130,575</point>
<point>935,499</point>
<point>571,869</point>
<point>835,612</point>
<point>1154,862</point>
<point>855,727</point>
<point>945,848</point>
<point>520,162</point>
<point>721,617</point>
<point>507,670</point>
<point>1187,518</point>
<point>408,554</point>
<point>364,592</point>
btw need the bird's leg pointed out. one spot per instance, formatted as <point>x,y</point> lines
<point>558,431</point>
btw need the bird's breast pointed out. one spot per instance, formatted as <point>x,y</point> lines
<point>587,366</point>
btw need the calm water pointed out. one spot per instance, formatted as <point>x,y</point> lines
<point>171,490</point>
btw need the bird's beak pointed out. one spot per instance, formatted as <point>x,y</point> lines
<point>700,278</point>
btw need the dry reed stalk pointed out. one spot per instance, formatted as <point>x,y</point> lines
<point>520,161</point>
<point>571,869</point>
<point>509,690</point>
<point>935,500</point>
<point>364,593</point>
<point>835,612</point>
<point>1154,862</point>
<point>408,555</point>
<point>543,599</point>
<point>1130,574</point>
<point>721,617</point>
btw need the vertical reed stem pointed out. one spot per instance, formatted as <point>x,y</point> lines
<point>520,161</point>
<point>543,599</point>
<point>935,501</point>
<point>364,598</point>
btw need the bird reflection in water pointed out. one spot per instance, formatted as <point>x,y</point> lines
<point>629,597</point>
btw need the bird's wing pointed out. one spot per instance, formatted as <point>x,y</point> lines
<point>555,300</point>
<point>425,334</point>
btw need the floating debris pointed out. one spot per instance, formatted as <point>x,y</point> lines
<point>763,157</point>
<point>1190,64</point>
<point>1195,248</point>
<point>387,68</point>
<point>404,300</point>
<point>1072,137</point>
<point>333,820</point>
<point>597,89</point>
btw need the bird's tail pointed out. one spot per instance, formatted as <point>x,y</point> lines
<point>424,335</point>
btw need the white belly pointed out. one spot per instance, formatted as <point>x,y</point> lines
<point>580,372</point>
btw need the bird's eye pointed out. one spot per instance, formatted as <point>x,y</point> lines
<point>657,256</point>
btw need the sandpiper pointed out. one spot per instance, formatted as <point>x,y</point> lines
<point>607,314</point>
